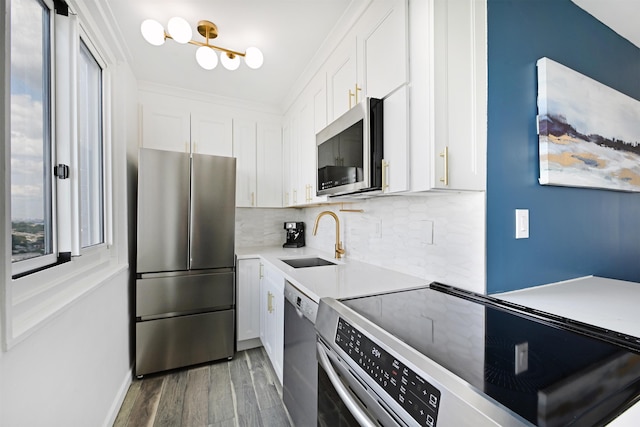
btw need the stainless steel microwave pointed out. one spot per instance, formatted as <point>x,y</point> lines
<point>350,151</point>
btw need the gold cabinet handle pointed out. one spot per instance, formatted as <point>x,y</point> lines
<point>445,157</point>
<point>351,95</point>
<point>385,175</point>
<point>261,270</point>
<point>269,302</point>
<point>253,198</point>
<point>358,89</point>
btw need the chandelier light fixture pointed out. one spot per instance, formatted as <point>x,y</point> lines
<point>179,30</point>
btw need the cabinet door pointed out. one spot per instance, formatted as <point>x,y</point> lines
<point>274,318</point>
<point>165,128</point>
<point>244,149</point>
<point>211,135</point>
<point>342,74</point>
<point>384,47</point>
<point>395,173</point>
<point>460,94</point>
<point>248,302</point>
<point>269,166</point>
<point>287,196</point>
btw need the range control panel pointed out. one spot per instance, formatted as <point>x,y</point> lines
<point>420,399</point>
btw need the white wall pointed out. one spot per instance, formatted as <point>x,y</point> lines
<point>72,371</point>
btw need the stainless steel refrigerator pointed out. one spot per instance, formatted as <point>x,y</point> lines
<point>185,283</point>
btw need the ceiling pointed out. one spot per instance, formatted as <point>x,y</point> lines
<point>289,33</point>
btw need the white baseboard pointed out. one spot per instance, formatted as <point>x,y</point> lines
<point>119,398</point>
<point>247,344</point>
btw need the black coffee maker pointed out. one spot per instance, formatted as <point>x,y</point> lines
<point>295,234</point>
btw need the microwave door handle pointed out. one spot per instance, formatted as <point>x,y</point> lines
<point>347,397</point>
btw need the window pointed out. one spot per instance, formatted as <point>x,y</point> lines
<point>32,227</point>
<point>54,218</point>
<point>90,149</point>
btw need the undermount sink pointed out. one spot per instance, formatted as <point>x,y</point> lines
<point>307,262</point>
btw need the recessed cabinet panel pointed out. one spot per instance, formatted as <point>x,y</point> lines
<point>244,149</point>
<point>248,303</point>
<point>211,135</point>
<point>385,49</point>
<point>460,94</point>
<point>166,128</point>
<point>269,166</point>
<point>341,79</point>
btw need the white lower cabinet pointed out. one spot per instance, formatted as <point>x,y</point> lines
<point>248,303</point>
<point>272,316</point>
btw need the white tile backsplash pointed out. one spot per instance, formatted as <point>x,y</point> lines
<point>435,236</point>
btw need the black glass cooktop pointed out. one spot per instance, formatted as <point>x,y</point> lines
<point>550,370</point>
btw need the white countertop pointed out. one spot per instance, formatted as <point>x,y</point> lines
<point>348,278</point>
<point>607,303</point>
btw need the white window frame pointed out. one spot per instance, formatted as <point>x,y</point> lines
<point>28,302</point>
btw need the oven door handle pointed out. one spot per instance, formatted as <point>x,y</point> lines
<point>347,397</point>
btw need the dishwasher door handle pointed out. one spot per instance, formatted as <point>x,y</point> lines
<point>347,397</point>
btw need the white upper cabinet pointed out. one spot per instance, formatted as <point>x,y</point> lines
<point>460,70</point>
<point>257,147</point>
<point>269,170</point>
<point>342,75</point>
<point>395,164</point>
<point>383,49</point>
<point>244,150</point>
<point>178,128</point>
<point>166,128</point>
<point>211,134</point>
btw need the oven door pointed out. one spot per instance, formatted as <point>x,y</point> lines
<point>344,399</point>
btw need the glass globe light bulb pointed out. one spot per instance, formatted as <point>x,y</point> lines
<point>179,29</point>
<point>153,32</point>
<point>230,63</point>
<point>206,58</point>
<point>253,58</point>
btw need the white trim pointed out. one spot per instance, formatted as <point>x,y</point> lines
<point>118,400</point>
<point>5,173</point>
<point>56,297</point>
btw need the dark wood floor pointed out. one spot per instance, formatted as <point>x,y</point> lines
<point>242,392</point>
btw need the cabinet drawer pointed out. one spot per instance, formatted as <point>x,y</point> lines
<point>183,294</point>
<point>182,341</point>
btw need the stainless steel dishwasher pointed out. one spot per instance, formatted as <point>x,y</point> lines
<point>300,372</point>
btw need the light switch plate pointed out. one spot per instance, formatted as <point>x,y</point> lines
<point>522,223</point>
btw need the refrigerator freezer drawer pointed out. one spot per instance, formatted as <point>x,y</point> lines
<point>192,293</point>
<point>182,341</point>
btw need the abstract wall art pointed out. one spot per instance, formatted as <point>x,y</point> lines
<point>588,133</point>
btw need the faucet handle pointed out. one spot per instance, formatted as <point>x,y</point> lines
<point>339,250</point>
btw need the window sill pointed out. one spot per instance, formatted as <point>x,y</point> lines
<point>41,296</point>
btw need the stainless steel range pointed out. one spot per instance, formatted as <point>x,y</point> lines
<point>441,356</point>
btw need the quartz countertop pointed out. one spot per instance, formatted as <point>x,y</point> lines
<point>607,303</point>
<point>348,278</point>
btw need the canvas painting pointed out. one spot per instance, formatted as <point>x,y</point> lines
<point>588,133</point>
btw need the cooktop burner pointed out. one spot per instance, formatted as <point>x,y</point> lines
<point>549,370</point>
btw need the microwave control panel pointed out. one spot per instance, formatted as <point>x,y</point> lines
<point>418,397</point>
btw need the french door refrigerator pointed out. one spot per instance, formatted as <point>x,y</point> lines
<point>185,282</point>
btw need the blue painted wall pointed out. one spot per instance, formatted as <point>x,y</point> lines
<point>573,232</point>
